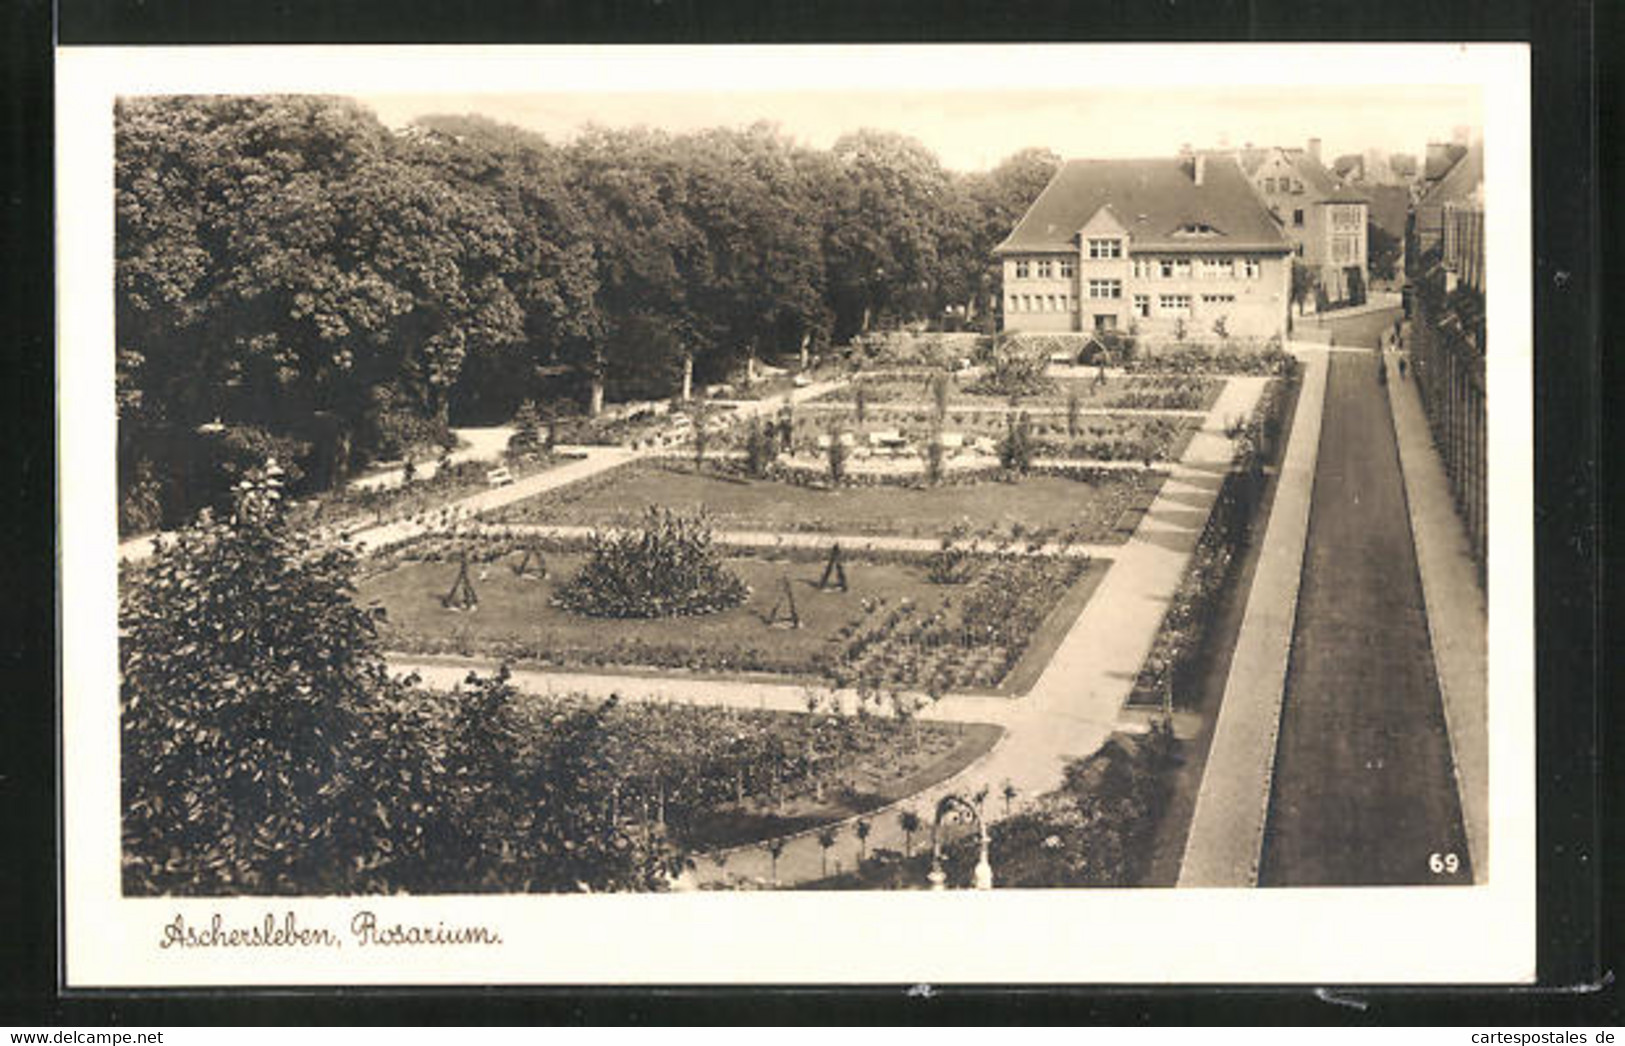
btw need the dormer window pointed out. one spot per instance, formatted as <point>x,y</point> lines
<point>1196,230</point>
<point>1105,247</point>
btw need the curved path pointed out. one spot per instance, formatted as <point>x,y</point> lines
<point>1071,710</point>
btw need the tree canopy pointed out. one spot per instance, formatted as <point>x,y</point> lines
<point>292,273</point>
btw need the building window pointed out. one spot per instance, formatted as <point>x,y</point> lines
<point>1250,268</point>
<point>1269,184</point>
<point>1105,248</point>
<point>1105,322</point>
<point>1054,303</point>
<point>1182,268</point>
<point>1297,217</point>
<point>1142,305</point>
<point>1105,288</point>
<point>1174,304</point>
<point>1022,270</point>
<point>1165,268</point>
<point>1299,250</point>
<point>1217,299</point>
<point>1068,267</point>
<point>1143,270</point>
<point>1215,269</point>
<point>1044,269</point>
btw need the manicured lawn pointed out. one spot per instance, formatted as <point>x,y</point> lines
<point>1091,509</point>
<point>894,627</point>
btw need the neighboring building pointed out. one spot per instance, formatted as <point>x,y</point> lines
<point>1324,217</point>
<point>1454,175</point>
<point>1463,245</point>
<point>1147,245</point>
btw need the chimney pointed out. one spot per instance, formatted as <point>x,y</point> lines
<point>1314,149</point>
<point>1200,169</point>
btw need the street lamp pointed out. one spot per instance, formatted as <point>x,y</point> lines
<point>982,877</point>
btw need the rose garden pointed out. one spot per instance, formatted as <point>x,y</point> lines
<point>748,593</point>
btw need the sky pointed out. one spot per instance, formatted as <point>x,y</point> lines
<point>973,130</point>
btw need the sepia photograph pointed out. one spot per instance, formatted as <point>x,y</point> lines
<point>819,491</point>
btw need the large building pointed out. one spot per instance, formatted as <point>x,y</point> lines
<point>1162,247</point>
<point>1323,216</point>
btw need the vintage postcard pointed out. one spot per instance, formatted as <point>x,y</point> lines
<point>1039,514</point>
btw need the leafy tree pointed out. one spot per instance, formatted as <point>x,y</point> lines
<point>246,675</point>
<point>863,828</point>
<point>1383,250</point>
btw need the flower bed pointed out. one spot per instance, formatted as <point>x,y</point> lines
<point>668,567</point>
<point>1170,669</point>
<point>1102,437</point>
<point>1142,391</point>
<point>1233,356</point>
<point>899,625</point>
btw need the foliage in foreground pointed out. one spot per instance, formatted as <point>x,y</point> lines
<point>266,750</point>
<point>668,567</point>
<point>1096,829</point>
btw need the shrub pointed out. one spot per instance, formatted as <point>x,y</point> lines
<point>670,567</point>
<point>1016,369</point>
<point>527,429</point>
<point>837,454</point>
<point>1016,445</point>
<point>949,565</point>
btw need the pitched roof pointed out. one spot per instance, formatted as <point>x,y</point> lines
<point>1321,182</point>
<point>1154,199</point>
<point>1459,182</point>
<point>1441,157</point>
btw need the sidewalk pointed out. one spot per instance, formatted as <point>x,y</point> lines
<point>1074,706</point>
<point>1457,618</point>
<point>1232,804</point>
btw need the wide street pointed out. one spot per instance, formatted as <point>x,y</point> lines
<point>1363,788</point>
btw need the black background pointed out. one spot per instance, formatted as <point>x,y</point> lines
<point>1576,95</point>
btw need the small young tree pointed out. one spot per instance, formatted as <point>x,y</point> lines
<point>1179,329</point>
<point>761,447</point>
<point>938,385</point>
<point>1016,446</point>
<point>826,839</point>
<point>860,401</point>
<point>933,455</point>
<point>1221,328</point>
<point>909,822</point>
<point>863,828</point>
<point>837,454</point>
<point>699,416</point>
<point>775,850</point>
<point>1074,410</point>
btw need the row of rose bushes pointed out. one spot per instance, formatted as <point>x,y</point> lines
<point>1091,436</point>
<point>1235,356</point>
<point>1173,667</point>
<point>1149,391</point>
<point>908,349</point>
<point>1097,829</point>
<point>971,642</point>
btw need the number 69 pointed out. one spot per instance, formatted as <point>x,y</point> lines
<point>1444,864</point>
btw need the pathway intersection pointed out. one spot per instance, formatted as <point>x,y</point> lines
<point>1072,709</point>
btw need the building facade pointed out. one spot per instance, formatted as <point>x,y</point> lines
<point>1324,217</point>
<point>1161,248</point>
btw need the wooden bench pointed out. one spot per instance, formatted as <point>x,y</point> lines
<point>499,476</point>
